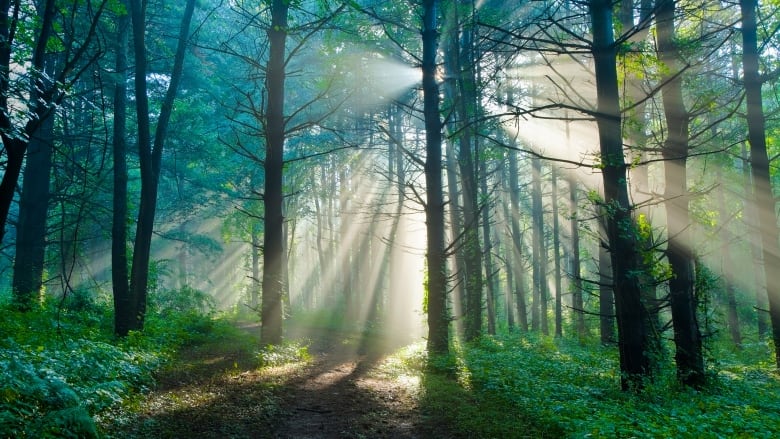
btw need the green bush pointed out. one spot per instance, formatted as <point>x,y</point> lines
<point>285,353</point>
<point>60,367</point>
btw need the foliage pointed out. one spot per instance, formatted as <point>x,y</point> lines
<point>183,300</point>
<point>285,353</point>
<point>60,368</point>
<point>557,388</point>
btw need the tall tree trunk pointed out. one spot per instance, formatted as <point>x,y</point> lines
<point>33,214</point>
<point>508,246</point>
<point>490,277</point>
<point>537,239</point>
<point>150,154</point>
<point>438,320</point>
<point>470,237</point>
<point>557,256</point>
<point>544,270</point>
<point>578,312</point>
<point>756,248</point>
<point>687,338</point>
<point>14,142</point>
<point>606,294</point>
<point>727,265</point>
<point>456,227</point>
<point>759,160</point>
<point>44,92</point>
<point>255,286</point>
<point>273,246</point>
<point>634,333</point>
<point>119,263</point>
<point>517,243</point>
<point>348,237</point>
<point>456,210</point>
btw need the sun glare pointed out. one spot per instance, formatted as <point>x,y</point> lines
<point>372,282</point>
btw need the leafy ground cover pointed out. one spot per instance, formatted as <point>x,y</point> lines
<point>62,374</point>
<point>527,386</point>
<point>61,368</point>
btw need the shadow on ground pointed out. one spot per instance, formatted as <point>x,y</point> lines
<point>216,390</point>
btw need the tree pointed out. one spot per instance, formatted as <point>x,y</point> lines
<point>273,246</point>
<point>576,274</point>
<point>19,126</point>
<point>634,333</point>
<point>539,298</point>
<point>150,157</point>
<point>438,320</point>
<point>759,162</point>
<point>123,307</point>
<point>460,88</point>
<point>687,338</point>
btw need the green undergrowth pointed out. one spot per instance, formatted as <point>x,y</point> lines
<point>513,386</point>
<point>61,367</point>
<point>286,353</point>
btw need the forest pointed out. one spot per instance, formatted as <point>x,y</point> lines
<point>389,219</point>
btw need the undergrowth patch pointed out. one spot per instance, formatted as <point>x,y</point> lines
<point>529,386</point>
<point>61,368</point>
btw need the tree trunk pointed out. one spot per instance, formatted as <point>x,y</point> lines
<point>438,320</point>
<point>537,216</point>
<point>759,160</point>
<point>727,266</point>
<point>517,243</point>
<point>273,247</point>
<point>150,155</point>
<point>634,334</point>
<point>687,338</point>
<point>16,143</point>
<point>470,237</point>
<point>456,227</point>
<point>490,277</point>
<point>508,246</point>
<point>606,295</point>
<point>756,248</point>
<point>33,214</point>
<point>578,311</point>
<point>557,256</point>
<point>119,263</point>
<point>255,286</point>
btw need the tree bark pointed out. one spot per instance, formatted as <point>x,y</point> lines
<point>606,295</point>
<point>756,248</point>
<point>150,155</point>
<point>31,230</point>
<point>490,277</point>
<point>40,91</point>
<point>578,312</point>
<point>687,338</point>
<point>119,263</point>
<point>438,320</point>
<point>538,309</point>
<point>759,160</point>
<point>556,256</point>
<point>456,227</point>
<point>517,243</point>
<point>461,94</point>
<point>727,266</point>
<point>634,334</point>
<point>273,247</point>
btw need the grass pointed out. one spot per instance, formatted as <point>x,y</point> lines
<point>514,386</point>
<point>58,375</point>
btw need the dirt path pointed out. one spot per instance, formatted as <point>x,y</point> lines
<point>217,391</point>
<point>344,395</point>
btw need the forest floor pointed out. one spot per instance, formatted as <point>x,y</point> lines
<point>216,389</point>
